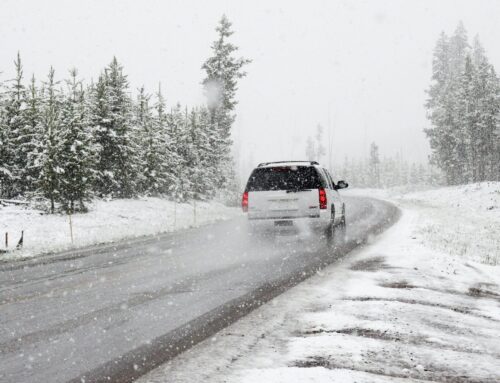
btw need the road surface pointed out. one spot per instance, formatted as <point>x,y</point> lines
<point>112,313</point>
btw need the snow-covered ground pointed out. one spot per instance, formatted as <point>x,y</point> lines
<point>461,220</point>
<point>420,303</point>
<point>107,221</point>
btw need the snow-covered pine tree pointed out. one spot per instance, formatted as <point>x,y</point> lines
<point>169,159</point>
<point>200,154</point>
<point>6,150</point>
<point>118,155</point>
<point>76,153</point>
<point>152,178</point>
<point>466,132</point>
<point>177,133</point>
<point>320,147</point>
<point>486,92</point>
<point>463,108</point>
<point>310,149</point>
<point>374,165</point>
<point>445,138</point>
<point>33,133</point>
<point>14,158</point>
<point>47,156</point>
<point>223,71</point>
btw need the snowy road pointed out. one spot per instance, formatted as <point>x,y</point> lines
<point>119,312</point>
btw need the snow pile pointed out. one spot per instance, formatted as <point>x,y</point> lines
<point>462,220</point>
<point>396,311</point>
<point>107,221</point>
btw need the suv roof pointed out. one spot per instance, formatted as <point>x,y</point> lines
<point>287,163</point>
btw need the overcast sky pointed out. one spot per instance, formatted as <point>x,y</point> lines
<point>359,68</point>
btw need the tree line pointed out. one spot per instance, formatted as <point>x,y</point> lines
<point>375,171</point>
<point>67,142</point>
<point>464,110</point>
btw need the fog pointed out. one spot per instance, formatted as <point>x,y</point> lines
<point>358,68</point>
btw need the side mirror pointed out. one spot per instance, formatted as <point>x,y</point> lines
<point>341,185</point>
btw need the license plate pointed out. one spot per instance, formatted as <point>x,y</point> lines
<point>283,223</point>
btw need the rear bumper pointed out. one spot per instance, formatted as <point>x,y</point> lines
<point>316,222</point>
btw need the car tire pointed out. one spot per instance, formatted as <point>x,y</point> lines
<point>330,230</point>
<point>341,230</point>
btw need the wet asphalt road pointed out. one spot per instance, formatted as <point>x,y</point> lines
<point>113,313</point>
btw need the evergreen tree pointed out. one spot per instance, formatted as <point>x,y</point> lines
<point>76,153</point>
<point>13,154</point>
<point>50,119</point>
<point>374,165</point>
<point>176,130</point>
<point>154,178</point>
<point>463,109</point>
<point>223,71</point>
<point>310,150</point>
<point>33,135</point>
<point>6,152</point>
<point>486,91</point>
<point>117,164</point>
<point>169,159</point>
<point>320,148</point>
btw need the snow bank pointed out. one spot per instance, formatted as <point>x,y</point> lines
<point>107,221</point>
<point>460,220</point>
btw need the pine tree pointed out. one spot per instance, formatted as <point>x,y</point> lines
<point>152,130</point>
<point>169,159</point>
<point>310,150</point>
<point>176,130</point>
<point>486,91</point>
<point>463,109</point>
<point>33,134</point>
<point>117,142</point>
<point>76,153</point>
<point>223,71</point>
<point>50,119</point>
<point>13,154</point>
<point>320,148</point>
<point>6,152</point>
<point>374,165</point>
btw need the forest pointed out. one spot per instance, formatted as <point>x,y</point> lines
<point>65,142</point>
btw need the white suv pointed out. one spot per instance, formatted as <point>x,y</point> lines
<point>294,193</point>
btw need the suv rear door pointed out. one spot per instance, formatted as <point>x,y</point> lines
<point>281,192</point>
<point>334,196</point>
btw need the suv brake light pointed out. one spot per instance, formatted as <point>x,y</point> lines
<point>322,198</point>
<point>244,202</point>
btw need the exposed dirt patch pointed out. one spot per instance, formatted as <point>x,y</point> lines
<point>356,331</point>
<point>458,309</point>
<point>400,369</point>
<point>370,264</point>
<point>390,336</point>
<point>398,285</point>
<point>483,290</point>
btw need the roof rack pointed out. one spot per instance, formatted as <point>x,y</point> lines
<point>286,162</point>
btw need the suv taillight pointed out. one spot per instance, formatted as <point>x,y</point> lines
<point>322,198</point>
<point>244,201</point>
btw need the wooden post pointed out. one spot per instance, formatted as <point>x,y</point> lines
<point>6,240</point>
<point>70,227</point>
<point>194,212</point>
<point>21,241</point>
<point>175,212</point>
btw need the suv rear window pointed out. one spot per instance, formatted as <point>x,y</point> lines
<point>284,178</point>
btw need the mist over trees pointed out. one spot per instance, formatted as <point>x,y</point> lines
<point>67,142</point>
<point>463,107</point>
<point>376,171</point>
